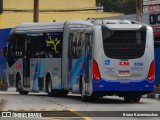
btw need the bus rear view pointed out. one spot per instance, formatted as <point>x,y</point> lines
<point>125,61</point>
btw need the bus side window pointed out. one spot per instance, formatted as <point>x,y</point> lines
<point>19,51</point>
<point>74,45</point>
<point>53,44</point>
<point>89,43</point>
<point>11,51</point>
<point>70,44</point>
<point>11,46</point>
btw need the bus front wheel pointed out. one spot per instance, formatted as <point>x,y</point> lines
<point>19,86</point>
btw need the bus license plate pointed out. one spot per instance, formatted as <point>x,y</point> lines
<point>124,73</point>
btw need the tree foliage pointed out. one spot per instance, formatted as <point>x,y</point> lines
<point>124,6</point>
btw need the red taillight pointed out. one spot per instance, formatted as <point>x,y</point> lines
<point>96,73</point>
<point>151,72</point>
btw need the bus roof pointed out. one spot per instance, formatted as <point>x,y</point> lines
<point>48,26</point>
<point>37,27</point>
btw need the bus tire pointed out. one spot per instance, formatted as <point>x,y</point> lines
<point>49,87</point>
<point>83,96</point>
<point>61,93</point>
<point>127,99</point>
<point>95,98</point>
<point>19,86</point>
<point>64,93</point>
<point>137,99</point>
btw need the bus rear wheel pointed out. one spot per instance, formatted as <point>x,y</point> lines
<point>61,93</point>
<point>19,86</point>
<point>127,99</point>
<point>137,99</point>
<point>49,87</point>
<point>134,99</point>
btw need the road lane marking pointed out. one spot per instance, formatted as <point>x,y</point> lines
<point>72,110</point>
<point>80,114</point>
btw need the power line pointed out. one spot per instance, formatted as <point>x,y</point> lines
<point>64,10</point>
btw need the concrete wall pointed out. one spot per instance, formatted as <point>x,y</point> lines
<point>49,4</point>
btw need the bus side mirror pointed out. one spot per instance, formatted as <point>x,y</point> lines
<point>5,50</point>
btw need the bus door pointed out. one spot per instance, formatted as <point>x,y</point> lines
<point>26,63</point>
<point>75,60</point>
<point>70,60</point>
<point>88,60</point>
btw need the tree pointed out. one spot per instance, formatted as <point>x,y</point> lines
<point>124,6</point>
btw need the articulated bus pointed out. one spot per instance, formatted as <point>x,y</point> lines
<point>92,57</point>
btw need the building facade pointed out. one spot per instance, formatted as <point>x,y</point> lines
<point>21,11</point>
<point>49,4</point>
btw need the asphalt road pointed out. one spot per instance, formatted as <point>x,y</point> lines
<point>71,107</point>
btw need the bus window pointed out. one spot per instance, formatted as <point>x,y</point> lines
<point>11,51</point>
<point>20,45</point>
<point>53,42</point>
<point>76,44</point>
<point>45,45</point>
<point>89,43</point>
<point>70,44</point>
<point>36,45</point>
<point>124,44</point>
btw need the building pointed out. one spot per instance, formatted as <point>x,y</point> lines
<point>49,4</point>
<point>21,11</point>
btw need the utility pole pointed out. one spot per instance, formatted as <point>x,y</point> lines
<point>36,11</point>
<point>139,10</point>
<point>1,6</point>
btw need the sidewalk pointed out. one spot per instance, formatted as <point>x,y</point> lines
<point>152,95</point>
<point>155,94</point>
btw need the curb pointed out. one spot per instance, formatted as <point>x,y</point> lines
<point>151,95</point>
<point>11,89</point>
<point>157,96</point>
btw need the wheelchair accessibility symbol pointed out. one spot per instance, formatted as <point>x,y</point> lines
<point>107,62</point>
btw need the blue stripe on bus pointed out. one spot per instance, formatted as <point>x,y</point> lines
<point>123,85</point>
<point>77,70</point>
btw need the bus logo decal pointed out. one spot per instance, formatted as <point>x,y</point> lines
<point>53,43</point>
<point>107,62</point>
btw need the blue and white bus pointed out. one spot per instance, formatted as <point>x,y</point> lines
<point>94,58</point>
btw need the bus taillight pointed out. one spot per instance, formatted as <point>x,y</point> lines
<point>95,69</point>
<point>151,72</point>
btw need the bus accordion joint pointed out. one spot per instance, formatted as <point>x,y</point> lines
<point>96,73</point>
<point>151,72</point>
